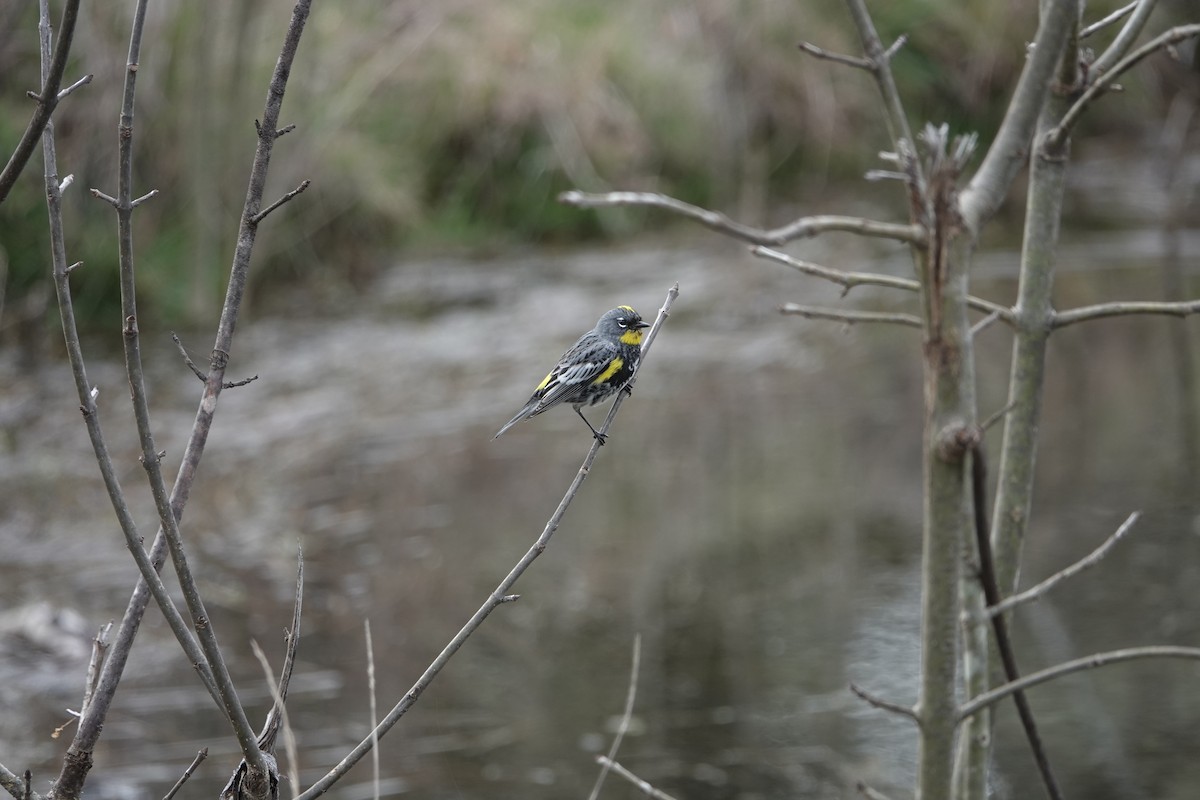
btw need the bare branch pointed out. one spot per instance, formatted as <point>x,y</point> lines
<point>884,705</point>
<point>987,189</point>
<point>849,280</point>
<point>289,738</point>
<point>187,773</point>
<point>100,647</point>
<point>1125,38</point>
<point>850,317</point>
<point>374,710</point>
<point>850,61</point>
<point>1056,136</point>
<point>897,119</point>
<point>626,716</point>
<point>1112,19</point>
<point>196,370</point>
<point>643,786</point>
<point>135,203</point>
<point>84,81</point>
<point>112,201</point>
<point>186,358</point>
<point>47,99</point>
<point>151,461</point>
<point>1090,560</point>
<point>984,324</point>
<point>894,48</point>
<point>15,786</point>
<point>76,765</point>
<point>499,594</point>
<point>996,417</point>
<point>1062,319</point>
<point>1069,667</point>
<point>260,216</point>
<point>804,227</point>
<point>247,234</point>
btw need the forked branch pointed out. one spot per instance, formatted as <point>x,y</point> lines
<point>1056,136</point>
<point>47,98</point>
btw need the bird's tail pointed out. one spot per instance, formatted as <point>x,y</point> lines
<point>522,414</point>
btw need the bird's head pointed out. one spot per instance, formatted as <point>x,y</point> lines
<point>624,324</point>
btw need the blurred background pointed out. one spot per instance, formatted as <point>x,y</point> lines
<point>756,516</point>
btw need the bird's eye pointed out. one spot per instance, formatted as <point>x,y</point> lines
<point>622,323</point>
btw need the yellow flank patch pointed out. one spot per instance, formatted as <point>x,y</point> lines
<point>632,337</point>
<point>544,382</point>
<point>612,369</point>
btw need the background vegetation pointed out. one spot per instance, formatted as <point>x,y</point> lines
<point>454,125</point>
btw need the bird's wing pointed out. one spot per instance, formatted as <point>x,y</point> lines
<point>578,367</point>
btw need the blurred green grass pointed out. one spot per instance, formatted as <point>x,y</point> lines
<point>454,125</point>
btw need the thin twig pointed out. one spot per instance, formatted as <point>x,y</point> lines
<point>289,737</point>
<point>187,773</point>
<point>884,705</point>
<point>260,216</point>
<point>849,280</point>
<point>147,196</point>
<point>850,317</point>
<point>1072,316</point>
<point>857,62</point>
<point>187,359</point>
<point>1111,19</point>
<point>1090,560</point>
<point>1057,135</point>
<point>1069,667</point>
<point>1125,39</point>
<point>12,783</point>
<point>499,594</point>
<point>196,370</point>
<point>374,710</point>
<point>995,417</point>
<point>47,98</point>
<point>642,785</point>
<point>626,716</point>
<point>804,227</point>
<point>270,729</point>
<point>100,647</point>
<point>991,593</point>
<point>985,323</point>
<point>84,81</point>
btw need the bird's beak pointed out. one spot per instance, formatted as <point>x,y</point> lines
<point>642,324</point>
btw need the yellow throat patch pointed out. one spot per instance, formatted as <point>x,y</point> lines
<point>633,337</point>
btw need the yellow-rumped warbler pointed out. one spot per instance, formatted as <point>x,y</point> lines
<point>596,367</point>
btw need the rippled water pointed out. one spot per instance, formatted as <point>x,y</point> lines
<point>755,517</point>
